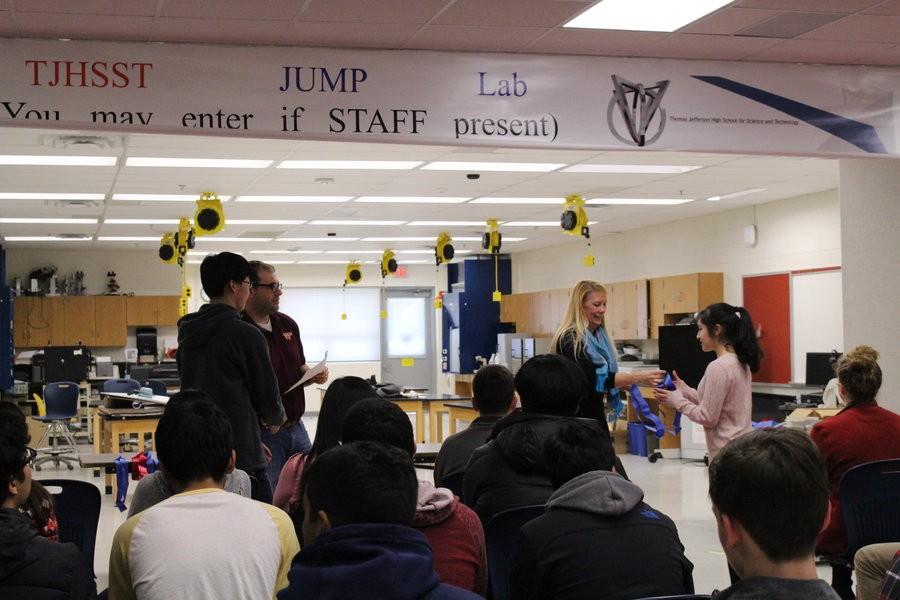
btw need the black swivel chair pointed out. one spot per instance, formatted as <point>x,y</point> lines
<point>500,536</point>
<point>77,513</point>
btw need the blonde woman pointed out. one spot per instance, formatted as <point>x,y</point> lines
<point>582,337</point>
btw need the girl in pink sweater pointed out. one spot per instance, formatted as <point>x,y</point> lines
<point>722,401</point>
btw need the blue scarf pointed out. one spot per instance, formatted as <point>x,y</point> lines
<point>601,352</point>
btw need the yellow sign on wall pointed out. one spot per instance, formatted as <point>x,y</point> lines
<point>407,362</point>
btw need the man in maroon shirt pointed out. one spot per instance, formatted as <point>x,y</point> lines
<point>288,361</point>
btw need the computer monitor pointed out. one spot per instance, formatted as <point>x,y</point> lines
<point>680,351</point>
<point>820,367</point>
<point>66,363</point>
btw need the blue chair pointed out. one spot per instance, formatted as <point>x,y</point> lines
<point>500,536</point>
<point>870,497</point>
<point>61,400</point>
<point>77,506</point>
<point>121,386</point>
<point>158,386</point>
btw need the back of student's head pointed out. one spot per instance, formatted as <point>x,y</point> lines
<point>342,393</point>
<point>193,438</point>
<point>550,384</point>
<point>577,448</point>
<point>774,483</point>
<point>13,440</point>
<point>736,330</point>
<point>859,373</point>
<point>493,389</point>
<point>362,482</point>
<point>379,420</point>
<point>218,270</point>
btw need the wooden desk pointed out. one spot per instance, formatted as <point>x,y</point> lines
<point>460,411</point>
<point>435,406</point>
<point>110,423</point>
<point>666,415</point>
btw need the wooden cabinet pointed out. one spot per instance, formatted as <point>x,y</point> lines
<point>151,310</point>
<point>626,312</point>
<point>673,298</point>
<point>535,312</point>
<point>80,320</point>
<point>38,322</point>
<point>109,321</point>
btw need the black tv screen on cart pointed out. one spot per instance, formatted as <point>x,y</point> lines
<point>680,351</point>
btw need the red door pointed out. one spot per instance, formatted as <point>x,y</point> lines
<point>768,298</point>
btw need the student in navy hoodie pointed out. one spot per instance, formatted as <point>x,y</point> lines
<point>359,500</point>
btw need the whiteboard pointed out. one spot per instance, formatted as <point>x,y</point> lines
<point>817,323</point>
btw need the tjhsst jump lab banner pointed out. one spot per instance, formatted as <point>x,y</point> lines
<point>451,98</point>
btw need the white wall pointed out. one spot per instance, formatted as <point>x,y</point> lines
<point>797,233</point>
<point>870,213</point>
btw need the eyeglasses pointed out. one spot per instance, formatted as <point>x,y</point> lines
<point>275,286</point>
<point>30,455</point>
<point>248,282</point>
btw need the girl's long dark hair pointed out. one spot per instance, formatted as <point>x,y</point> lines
<point>341,394</point>
<point>738,331</point>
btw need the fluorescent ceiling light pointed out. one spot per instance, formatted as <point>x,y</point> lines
<point>195,262</point>
<point>478,239</point>
<point>59,161</point>
<point>536,224</point>
<point>332,262</point>
<point>642,201</point>
<point>280,262</point>
<point>216,238</point>
<point>736,194</point>
<point>629,169</point>
<point>419,251</point>
<point>377,165</point>
<point>50,221</point>
<point>197,163</point>
<point>163,197</point>
<point>644,15</point>
<point>448,223</point>
<point>498,200</point>
<point>140,221</point>
<point>293,198</point>
<point>45,238</point>
<point>264,222</point>
<point>492,166</point>
<point>352,222</point>
<point>132,238</point>
<point>354,251</point>
<point>270,252</point>
<point>306,251</point>
<point>317,239</point>
<point>197,253</point>
<point>48,196</point>
<point>412,199</point>
<point>417,262</point>
<point>400,239</point>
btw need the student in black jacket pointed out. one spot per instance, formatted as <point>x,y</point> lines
<point>228,358</point>
<point>31,567</point>
<point>597,537</point>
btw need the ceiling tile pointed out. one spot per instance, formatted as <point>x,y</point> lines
<point>32,24</point>
<point>859,28</point>
<point>7,28</point>
<point>90,7</point>
<point>838,6</point>
<point>476,39</point>
<point>373,11</point>
<point>712,47</point>
<point>595,42</point>
<point>349,35</point>
<point>885,56</point>
<point>510,13</point>
<point>891,7</point>
<point>728,21</point>
<point>232,9</point>
<point>819,51</point>
<point>217,31</point>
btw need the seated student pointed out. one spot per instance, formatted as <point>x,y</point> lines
<point>31,566</point>
<point>769,491</point>
<point>453,530</point>
<point>510,471</point>
<point>202,542</point>
<point>597,538</point>
<point>358,503</point>
<point>154,488</point>
<point>872,564</point>
<point>862,432</point>
<point>493,393</point>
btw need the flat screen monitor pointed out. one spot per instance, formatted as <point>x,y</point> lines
<point>680,351</point>
<point>66,363</point>
<point>820,367</point>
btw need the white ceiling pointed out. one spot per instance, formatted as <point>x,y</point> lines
<point>782,177</point>
<point>808,31</point>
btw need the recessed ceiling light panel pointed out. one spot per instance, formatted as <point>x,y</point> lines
<point>644,15</point>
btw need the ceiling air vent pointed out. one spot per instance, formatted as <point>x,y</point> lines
<point>73,236</point>
<point>97,142</point>
<point>788,25</point>
<point>76,203</point>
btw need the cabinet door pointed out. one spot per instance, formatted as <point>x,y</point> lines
<point>140,310</point>
<point>23,307</point>
<point>680,294</point>
<point>657,311</point>
<point>627,325</point>
<point>80,321</point>
<point>640,303</point>
<point>167,310</point>
<point>54,314</point>
<point>109,319</point>
<point>614,310</point>
<point>559,302</point>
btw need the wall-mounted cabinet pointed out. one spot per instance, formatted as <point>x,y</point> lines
<point>535,312</point>
<point>151,310</point>
<point>83,320</point>
<point>673,298</point>
<point>626,310</point>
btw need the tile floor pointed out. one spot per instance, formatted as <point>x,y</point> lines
<point>677,488</point>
